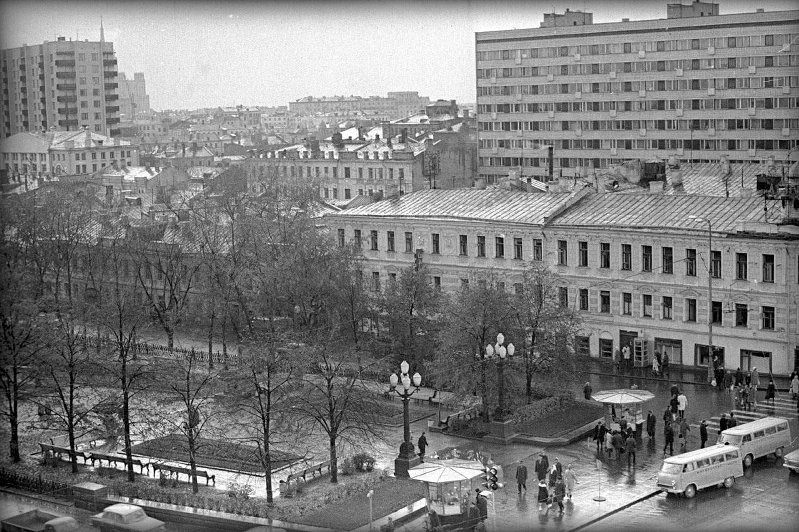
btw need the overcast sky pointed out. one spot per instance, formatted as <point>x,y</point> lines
<point>203,54</point>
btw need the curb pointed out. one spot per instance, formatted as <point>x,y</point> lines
<point>615,511</point>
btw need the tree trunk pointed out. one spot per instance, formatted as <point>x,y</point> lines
<point>170,338</point>
<point>73,458</point>
<point>211,342</point>
<point>126,421</point>
<point>333,461</point>
<point>484,389</point>
<point>14,443</point>
<point>192,459</point>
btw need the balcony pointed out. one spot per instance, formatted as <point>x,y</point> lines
<point>65,52</point>
<point>43,100</point>
<point>109,62</point>
<point>65,75</point>
<point>67,99</point>
<point>41,77</point>
<point>112,120</point>
<point>44,124</point>
<point>109,74</point>
<point>22,66</point>
<point>24,101</point>
<point>111,86</point>
<point>68,110</point>
<point>66,86</point>
<point>65,62</point>
<point>67,123</point>
<point>115,132</point>
<point>111,97</point>
<point>23,79</point>
<point>111,108</point>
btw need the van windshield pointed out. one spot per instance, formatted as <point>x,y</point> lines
<point>670,469</point>
<point>732,439</point>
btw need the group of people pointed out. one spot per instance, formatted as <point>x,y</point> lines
<point>554,483</point>
<point>616,442</point>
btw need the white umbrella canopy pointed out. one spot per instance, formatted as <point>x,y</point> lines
<point>442,471</point>
<point>623,397</point>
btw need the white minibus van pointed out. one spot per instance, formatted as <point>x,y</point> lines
<point>694,470</point>
<point>759,438</point>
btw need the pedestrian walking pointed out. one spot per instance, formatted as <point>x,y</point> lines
<point>651,421</point>
<point>674,403</point>
<point>552,477</point>
<point>599,436</point>
<point>655,367</point>
<point>521,476</point>
<point>618,443</point>
<point>739,377</point>
<point>748,378</point>
<point>543,494</point>
<point>664,365</point>
<point>630,448</point>
<point>422,443</point>
<point>541,466</point>
<point>667,417</point>
<point>560,492</point>
<point>668,434</point>
<point>682,404</point>
<point>587,390</point>
<point>728,380</point>
<point>723,423</point>
<point>571,479</point>
<point>733,421</point>
<point>702,433</point>
<point>609,443</point>
<point>625,353</point>
<point>795,386</point>
<point>684,429</point>
<point>755,386</point>
<point>558,468</point>
<point>771,392</point>
<point>745,396</point>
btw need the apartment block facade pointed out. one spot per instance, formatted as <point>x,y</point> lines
<point>695,85</point>
<point>133,98</point>
<point>64,85</point>
<point>635,266</point>
<point>394,105</point>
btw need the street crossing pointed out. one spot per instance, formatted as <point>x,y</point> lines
<point>782,407</point>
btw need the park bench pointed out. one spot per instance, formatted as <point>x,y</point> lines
<point>111,459</point>
<point>313,470</point>
<point>177,471</point>
<point>465,415</point>
<point>58,451</point>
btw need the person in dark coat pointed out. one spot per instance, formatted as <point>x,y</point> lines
<point>543,494</point>
<point>664,365</point>
<point>482,504</point>
<point>703,433</point>
<point>587,390</point>
<point>771,392</point>
<point>599,436</point>
<point>630,448</point>
<point>739,377</point>
<point>723,423</point>
<point>422,443</point>
<point>521,476</point>
<point>674,404</point>
<point>559,493</point>
<point>667,417</point>
<point>541,466</point>
<point>651,420</point>
<point>733,422</point>
<point>618,443</point>
<point>668,433</point>
<point>558,468</point>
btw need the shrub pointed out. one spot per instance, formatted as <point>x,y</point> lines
<point>541,408</point>
<point>347,467</point>
<point>363,462</point>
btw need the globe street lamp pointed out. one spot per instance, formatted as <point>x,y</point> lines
<point>501,353</point>
<point>402,386</point>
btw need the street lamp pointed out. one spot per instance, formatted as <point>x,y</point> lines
<point>709,293</point>
<point>501,353</point>
<point>401,385</point>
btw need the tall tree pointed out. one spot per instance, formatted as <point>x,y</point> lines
<point>549,329</point>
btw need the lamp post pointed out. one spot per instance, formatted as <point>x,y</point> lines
<point>709,293</point>
<point>402,386</point>
<point>501,353</point>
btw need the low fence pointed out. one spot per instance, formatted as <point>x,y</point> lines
<point>35,484</point>
<point>147,349</point>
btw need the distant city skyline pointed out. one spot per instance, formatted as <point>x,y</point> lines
<point>204,54</point>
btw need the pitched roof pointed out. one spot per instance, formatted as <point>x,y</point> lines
<point>467,204</point>
<point>657,211</point>
<point>82,139</point>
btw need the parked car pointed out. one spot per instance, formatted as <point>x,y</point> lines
<point>125,517</point>
<point>791,461</point>
<point>39,521</point>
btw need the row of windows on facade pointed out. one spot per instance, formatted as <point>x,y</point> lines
<point>317,171</point>
<point>667,261</point>
<point>348,192</point>
<point>670,45</point>
<point>635,67</point>
<point>741,311</point>
<point>635,86</point>
<point>629,144</point>
<point>79,156</point>
<point>84,168</point>
<point>637,105</point>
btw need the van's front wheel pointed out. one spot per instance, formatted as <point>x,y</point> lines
<point>748,459</point>
<point>728,482</point>
<point>778,453</point>
<point>690,491</point>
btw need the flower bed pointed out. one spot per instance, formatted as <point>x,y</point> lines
<point>212,453</point>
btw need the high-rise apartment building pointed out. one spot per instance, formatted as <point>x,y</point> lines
<point>63,84</point>
<point>695,85</point>
<point>133,98</point>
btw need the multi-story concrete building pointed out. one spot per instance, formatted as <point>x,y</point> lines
<point>60,153</point>
<point>395,105</point>
<point>62,84</point>
<point>695,85</point>
<point>635,266</point>
<point>133,98</point>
